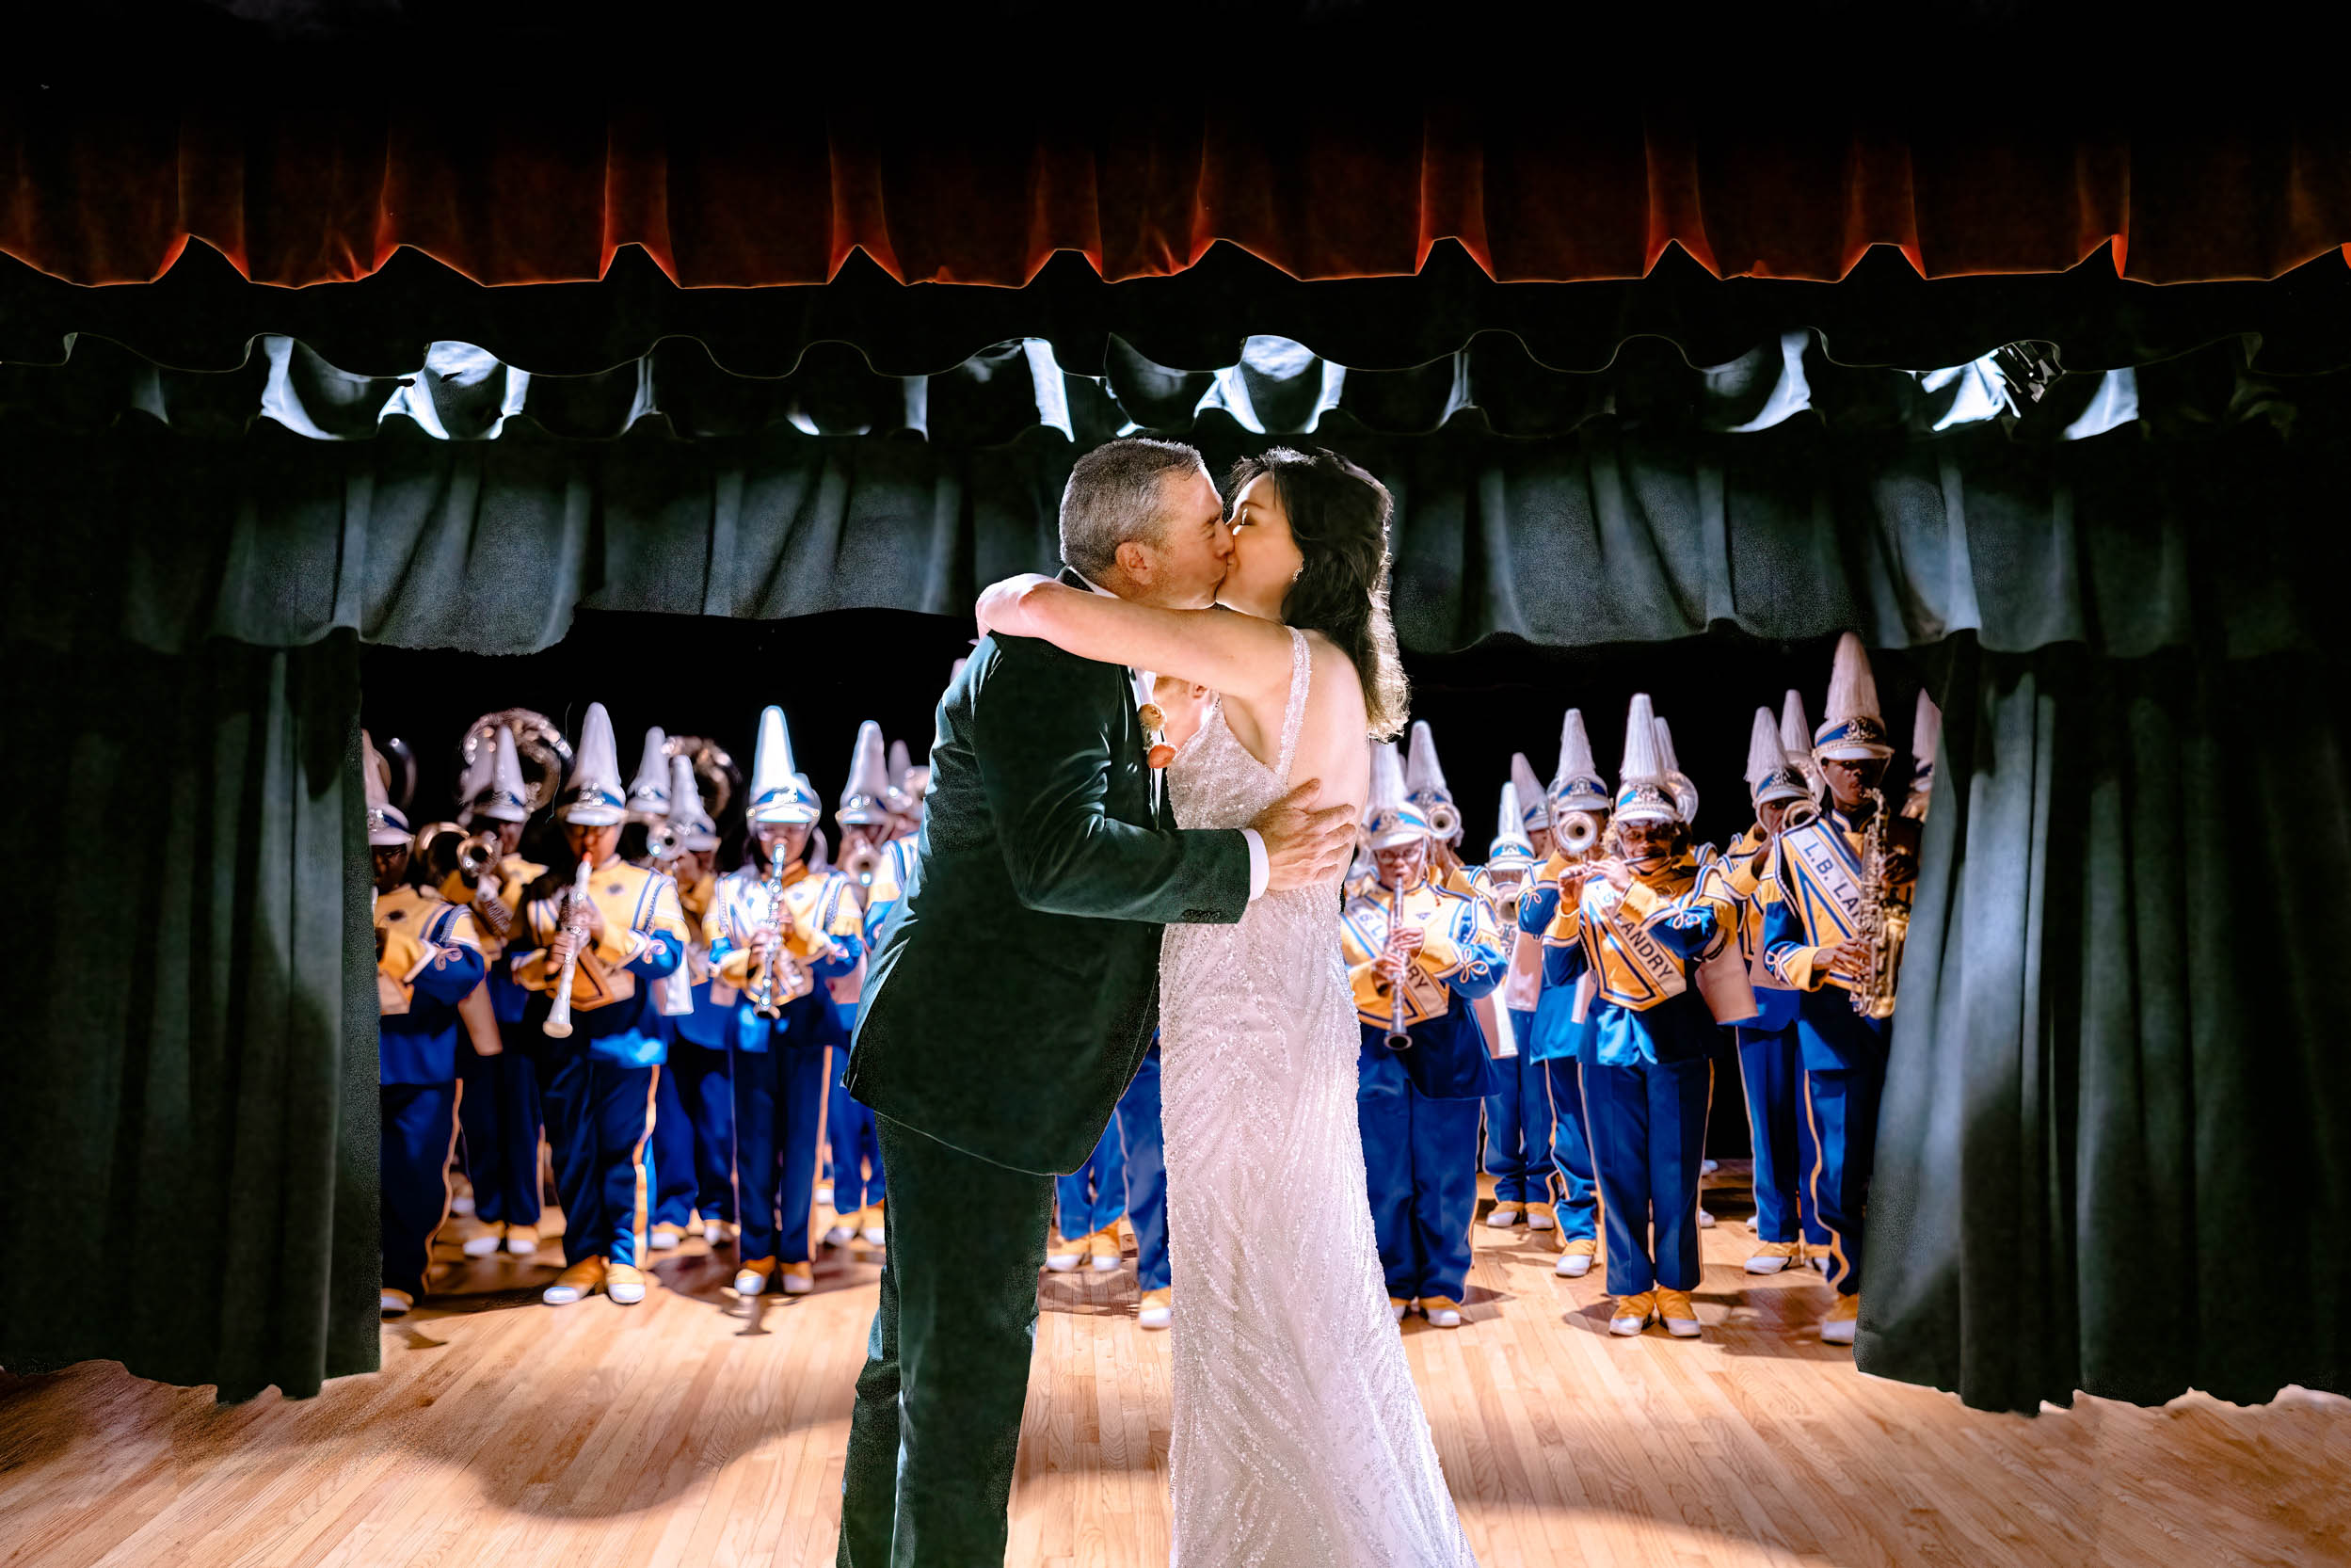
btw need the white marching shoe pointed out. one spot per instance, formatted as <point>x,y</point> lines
<point>490,1243</point>
<point>1064,1255</point>
<point>1576,1259</point>
<point>1541,1217</point>
<point>1705,1221</point>
<point>1504,1215</point>
<point>839,1236</point>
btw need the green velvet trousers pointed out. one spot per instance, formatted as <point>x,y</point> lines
<point>938,1422</point>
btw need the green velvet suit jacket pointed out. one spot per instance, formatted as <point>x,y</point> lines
<point>1015,988</point>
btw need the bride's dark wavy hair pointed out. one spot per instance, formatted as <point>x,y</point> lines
<point>1339,517</point>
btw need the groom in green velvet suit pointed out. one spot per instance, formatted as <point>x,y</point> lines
<point>1015,991</point>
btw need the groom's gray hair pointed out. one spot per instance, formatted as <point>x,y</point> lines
<point>1115,494</point>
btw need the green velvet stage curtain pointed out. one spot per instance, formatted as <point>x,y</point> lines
<point>192,1137</point>
<point>2116,1148</point>
<point>2124,542</point>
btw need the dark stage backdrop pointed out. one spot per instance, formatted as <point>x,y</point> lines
<point>831,672</point>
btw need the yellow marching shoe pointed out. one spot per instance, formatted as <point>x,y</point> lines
<point>625,1284</point>
<point>752,1277</point>
<point>1102,1250</point>
<point>1770,1257</point>
<point>584,1278</point>
<point>1845,1316</point>
<point>718,1233</point>
<point>1397,1306</point>
<point>1679,1316</point>
<point>1504,1215</point>
<point>1541,1216</point>
<point>1157,1310</point>
<point>1576,1258</point>
<point>870,1225</point>
<point>796,1279</point>
<point>1061,1256</point>
<point>491,1241</point>
<point>522,1240</point>
<point>1441,1311</point>
<point>396,1302</point>
<point>1632,1313</point>
<point>665,1237</point>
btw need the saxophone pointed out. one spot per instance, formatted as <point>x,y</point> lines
<point>780,978</point>
<point>1882,924</point>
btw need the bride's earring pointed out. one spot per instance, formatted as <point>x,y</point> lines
<point>1299,572</point>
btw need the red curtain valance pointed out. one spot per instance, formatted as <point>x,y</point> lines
<point>300,196</point>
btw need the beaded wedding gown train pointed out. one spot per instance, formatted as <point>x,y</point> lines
<point>1299,1438</point>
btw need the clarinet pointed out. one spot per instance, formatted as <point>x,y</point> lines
<point>1399,1038</point>
<point>558,1025</point>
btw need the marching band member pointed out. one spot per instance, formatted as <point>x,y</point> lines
<point>1815,942</point>
<point>1684,793</point>
<point>699,1060</point>
<point>1796,741</point>
<point>647,842</point>
<point>865,817</point>
<point>1418,954</point>
<point>1088,1204</point>
<point>777,930</point>
<point>1770,1063</point>
<point>428,959</point>
<point>1143,1147</point>
<point>1635,923</point>
<point>1518,1112</point>
<point>604,934</point>
<point>1575,815</point>
<point>501,1105</point>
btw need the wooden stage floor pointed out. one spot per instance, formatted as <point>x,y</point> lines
<point>687,1432</point>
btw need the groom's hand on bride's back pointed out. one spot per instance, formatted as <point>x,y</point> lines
<point>1306,843</point>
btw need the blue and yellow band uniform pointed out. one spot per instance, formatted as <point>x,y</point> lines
<point>501,1108</point>
<point>1555,1038</point>
<point>599,1084</point>
<point>701,1064</point>
<point>781,1065</point>
<point>1419,1108</point>
<point>431,960</point>
<point>1646,1072</point>
<point>1771,1069</point>
<point>859,1183</point>
<point>1844,1053</point>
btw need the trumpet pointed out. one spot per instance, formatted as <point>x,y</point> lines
<point>1444,820</point>
<point>1579,833</point>
<point>476,857</point>
<point>663,842</point>
<point>861,864</point>
<point>575,925</point>
<point>1799,813</point>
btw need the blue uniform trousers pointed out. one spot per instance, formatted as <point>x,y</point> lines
<point>418,1134</point>
<point>670,1156</point>
<point>1772,1070</point>
<point>1420,1166</point>
<point>501,1114</point>
<point>1648,1125</point>
<point>779,1102</point>
<point>1845,1078</point>
<point>599,1118</point>
<point>856,1153</point>
<point>1518,1125</point>
<point>1143,1141</point>
<point>1579,1193</point>
<point>706,1089</point>
<point>1093,1196</point>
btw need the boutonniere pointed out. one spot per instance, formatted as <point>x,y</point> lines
<point>1155,732</point>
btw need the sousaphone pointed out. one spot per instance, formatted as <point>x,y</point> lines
<point>539,744</point>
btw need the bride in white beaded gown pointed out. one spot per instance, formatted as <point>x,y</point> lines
<point>1300,1440</point>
